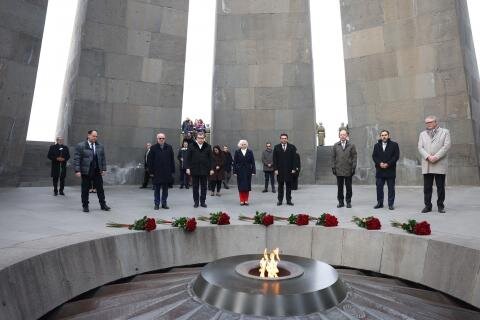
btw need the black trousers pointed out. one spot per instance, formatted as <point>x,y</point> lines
<point>215,184</point>
<point>288,187</point>
<point>97,181</point>
<point>295,181</point>
<point>146,178</point>
<point>55,182</point>
<point>348,186</point>
<point>380,182</point>
<point>428,189</point>
<point>199,181</point>
<point>269,176</point>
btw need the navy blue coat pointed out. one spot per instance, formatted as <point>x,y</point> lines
<point>161,163</point>
<point>390,156</point>
<point>244,167</point>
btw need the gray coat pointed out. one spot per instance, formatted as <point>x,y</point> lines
<point>267,158</point>
<point>84,156</point>
<point>437,146</point>
<point>344,161</point>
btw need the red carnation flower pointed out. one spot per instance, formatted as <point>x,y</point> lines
<point>267,220</point>
<point>422,229</point>
<point>330,220</point>
<point>224,218</point>
<point>373,224</point>
<point>150,224</point>
<point>302,219</point>
<point>190,225</point>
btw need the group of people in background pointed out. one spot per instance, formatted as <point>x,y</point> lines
<point>201,165</point>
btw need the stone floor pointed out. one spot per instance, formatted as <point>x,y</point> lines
<point>32,220</point>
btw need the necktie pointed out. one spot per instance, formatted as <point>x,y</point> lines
<point>284,147</point>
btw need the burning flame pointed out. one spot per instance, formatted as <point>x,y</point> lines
<point>269,264</point>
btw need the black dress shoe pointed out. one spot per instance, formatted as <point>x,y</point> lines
<point>340,204</point>
<point>85,209</point>
<point>391,207</point>
<point>279,203</point>
<point>349,205</point>
<point>264,190</point>
<point>245,203</point>
<point>273,191</point>
<point>165,207</point>
<point>426,209</point>
<point>195,205</point>
<point>55,193</point>
<point>203,205</point>
<point>378,206</point>
<point>156,207</point>
<point>227,187</point>
<point>441,209</point>
<point>105,207</point>
<point>61,193</point>
<point>289,203</point>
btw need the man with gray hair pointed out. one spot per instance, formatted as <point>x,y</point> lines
<point>433,146</point>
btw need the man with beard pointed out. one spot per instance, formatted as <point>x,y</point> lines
<point>385,155</point>
<point>58,153</point>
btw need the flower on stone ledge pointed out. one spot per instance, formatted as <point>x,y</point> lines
<point>145,223</point>
<point>412,226</point>
<point>369,223</point>
<point>219,218</point>
<point>185,223</point>
<point>327,220</point>
<point>262,218</point>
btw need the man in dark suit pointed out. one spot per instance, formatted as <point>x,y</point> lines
<point>161,165</point>
<point>344,163</point>
<point>199,166</point>
<point>90,164</point>
<point>284,167</point>
<point>58,153</point>
<point>385,155</point>
<point>146,175</point>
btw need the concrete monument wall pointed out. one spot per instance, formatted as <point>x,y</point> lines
<point>21,31</point>
<point>405,60</point>
<point>130,82</point>
<point>263,79</point>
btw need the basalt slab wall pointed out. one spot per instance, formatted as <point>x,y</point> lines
<point>39,275</point>
<point>263,79</point>
<point>405,60</point>
<point>21,31</point>
<point>130,79</point>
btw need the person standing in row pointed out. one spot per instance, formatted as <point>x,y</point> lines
<point>182,157</point>
<point>228,167</point>
<point>385,156</point>
<point>284,168</point>
<point>146,175</point>
<point>267,160</point>
<point>199,166</point>
<point>297,172</point>
<point>244,169</point>
<point>344,163</point>
<point>433,146</point>
<point>161,165</point>
<point>58,153</point>
<point>218,161</point>
<point>90,164</point>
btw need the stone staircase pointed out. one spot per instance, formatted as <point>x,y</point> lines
<point>323,174</point>
<point>36,166</point>
<point>166,295</point>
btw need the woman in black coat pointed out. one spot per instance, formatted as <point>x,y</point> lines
<point>244,169</point>
<point>218,164</point>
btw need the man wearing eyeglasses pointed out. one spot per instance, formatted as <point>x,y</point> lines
<point>199,166</point>
<point>433,145</point>
<point>161,165</point>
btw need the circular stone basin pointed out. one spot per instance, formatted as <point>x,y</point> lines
<point>287,270</point>
<point>312,286</point>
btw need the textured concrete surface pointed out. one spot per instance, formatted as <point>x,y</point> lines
<point>405,60</point>
<point>263,79</point>
<point>130,78</point>
<point>50,251</point>
<point>21,30</point>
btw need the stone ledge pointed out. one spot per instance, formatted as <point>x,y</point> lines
<point>45,279</point>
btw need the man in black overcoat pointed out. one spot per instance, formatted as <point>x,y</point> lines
<point>161,165</point>
<point>385,155</point>
<point>90,164</point>
<point>58,153</point>
<point>284,166</point>
<point>199,166</point>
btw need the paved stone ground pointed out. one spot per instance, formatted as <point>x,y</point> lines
<point>34,215</point>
